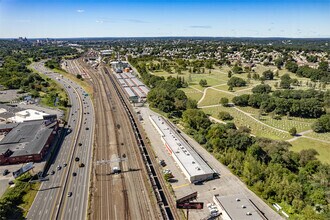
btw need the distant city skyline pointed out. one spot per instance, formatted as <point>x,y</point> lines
<point>152,18</point>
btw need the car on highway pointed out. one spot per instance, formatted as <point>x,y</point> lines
<point>52,172</point>
<point>81,165</point>
<point>11,182</point>
<point>80,144</point>
<point>74,174</point>
<point>69,194</point>
<point>87,128</point>
<point>58,167</point>
<point>162,163</point>
<point>76,159</point>
<point>5,172</point>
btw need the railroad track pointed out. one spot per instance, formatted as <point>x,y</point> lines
<point>132,182</point>
<point>164,199</point>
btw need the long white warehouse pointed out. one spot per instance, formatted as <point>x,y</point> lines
<point>191,164</point>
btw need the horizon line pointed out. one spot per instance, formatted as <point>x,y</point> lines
<point>235,37</point>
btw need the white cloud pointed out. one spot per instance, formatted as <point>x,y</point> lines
<point>80,10</point>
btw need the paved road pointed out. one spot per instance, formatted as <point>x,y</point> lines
<point>52,201</point>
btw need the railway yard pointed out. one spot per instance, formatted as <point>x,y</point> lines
<point>118,144</point>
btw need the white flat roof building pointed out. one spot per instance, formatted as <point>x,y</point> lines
<point>144,89</point>
<point>190,162</point>
<point>129,82</point>
<point>122,82</point>
<point>138,92</point>
<point>27,115</point>
<point>118,76</point>
<point>137,82</point>
<point>237,207</point>
<point>129,92</point>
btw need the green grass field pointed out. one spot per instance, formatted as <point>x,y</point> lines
<point>192,93</point>
<point>320,147</point>
<point>213,97</point>
<point>218,79</point>
<point>322,136</point>
<point>241,119</point>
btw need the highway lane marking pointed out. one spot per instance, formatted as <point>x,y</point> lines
<point>183,185</point>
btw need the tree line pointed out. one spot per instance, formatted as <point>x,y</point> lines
<point>297,181</point>
<point>298,103</point>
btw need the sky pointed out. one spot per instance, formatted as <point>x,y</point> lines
<point>155,18</point>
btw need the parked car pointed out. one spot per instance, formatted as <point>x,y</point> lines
<point>58,167</point>
<point>81,165</point>
<point>69,194</point>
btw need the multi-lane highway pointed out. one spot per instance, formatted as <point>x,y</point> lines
<point>53,200</point>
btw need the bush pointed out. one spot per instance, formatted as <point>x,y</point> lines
<point>224,101</point>
<point>293,131</point>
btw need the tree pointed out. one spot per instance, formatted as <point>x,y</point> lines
<point>291,66</point>
<point>229,73</point>
<point>285,81</point>
<point>263,88</point>
<point>203,82</point>
<point>242,100</point>
<point>322,124</point>
<point>195,119</point>
<point>225,116</point>
<point>323,65</point>
<point>279,63</point>
<point>268,75</point>
<point>236,82</point>
<point>293,131</point>
<point>224,101</point>
<point>306,156</point>
<point>237,69</point>
<point>191,104</point>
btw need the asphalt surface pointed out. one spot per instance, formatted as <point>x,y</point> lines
<point>52,200</point>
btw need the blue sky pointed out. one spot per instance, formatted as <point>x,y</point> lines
<point>147,18</point>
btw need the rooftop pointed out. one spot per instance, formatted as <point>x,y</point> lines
<point>238,207</point>
<point>27,115</point>
<point>191,161</point>
<point>26,138</point>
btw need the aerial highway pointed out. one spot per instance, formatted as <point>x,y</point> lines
<point>65,195</point>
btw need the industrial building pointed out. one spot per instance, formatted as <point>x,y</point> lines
<point>27,115</point>
<point>27,141</point>
<point>190,162</point>
<point>135,90</point>
<point>237,207</point>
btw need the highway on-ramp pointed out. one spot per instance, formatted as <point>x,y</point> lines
<point>53,200</point>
